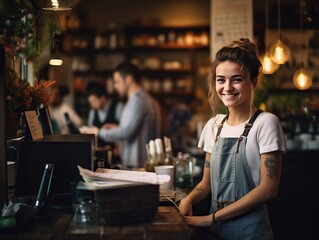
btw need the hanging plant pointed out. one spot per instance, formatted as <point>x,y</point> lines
<point>22,29</point>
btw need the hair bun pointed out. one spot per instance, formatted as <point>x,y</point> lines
<point>245,44</point>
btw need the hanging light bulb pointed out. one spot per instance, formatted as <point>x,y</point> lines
<point>302,79</point>
<point>279,52</point>
<point>56,59</point>
<point>56,62</point>
<point>269,67</point>
<point>56,7</point>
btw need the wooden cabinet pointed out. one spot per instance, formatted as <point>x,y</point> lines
<point>293,213</point>
<point>173,59</point>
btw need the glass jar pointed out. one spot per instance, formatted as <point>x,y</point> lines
<point>184,171</point>
<point>85,212</point>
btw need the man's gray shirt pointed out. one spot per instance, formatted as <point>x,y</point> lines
<point>140,122</point>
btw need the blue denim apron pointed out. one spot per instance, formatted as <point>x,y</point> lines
<point>230,180</point>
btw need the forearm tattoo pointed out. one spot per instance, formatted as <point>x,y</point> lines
<point>272,168</point>
<point>199,189</point>
<point>207,164</point>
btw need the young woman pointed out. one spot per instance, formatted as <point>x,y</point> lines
<point>243,151</point>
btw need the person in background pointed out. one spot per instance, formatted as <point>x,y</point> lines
<point>178,128</point>
<point>103,109</point>
<point>186,120</point>
<point>201,112</point>
<point>243,151</point>
<point>58,107</point>
<point>140,120</point>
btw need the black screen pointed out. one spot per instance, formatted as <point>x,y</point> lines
<point>64,151</point>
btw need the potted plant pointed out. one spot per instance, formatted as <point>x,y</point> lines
<point>21,96</point>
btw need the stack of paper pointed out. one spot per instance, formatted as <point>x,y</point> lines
<point>104,178</point>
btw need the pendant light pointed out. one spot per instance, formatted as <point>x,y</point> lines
<point>56,7</point>
<point>56,62</point>
<point>56,59</point>
<point>269,66</point>
<point>302,78</point>
<point>279,52</point>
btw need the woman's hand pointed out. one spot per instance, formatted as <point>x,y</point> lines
<point>200,192</point>
<point>199,221</point>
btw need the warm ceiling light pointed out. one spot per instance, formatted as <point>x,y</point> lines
<point>279,52</point>
<point>302,79</point>
<point>56,7</point>
<point>269,67</point>
<point>56,62</point>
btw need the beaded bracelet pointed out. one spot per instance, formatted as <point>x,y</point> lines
<point>213,218</point>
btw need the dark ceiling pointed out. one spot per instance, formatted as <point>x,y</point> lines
<point>289,13</point>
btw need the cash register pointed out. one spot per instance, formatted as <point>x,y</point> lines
<point>65,152</point>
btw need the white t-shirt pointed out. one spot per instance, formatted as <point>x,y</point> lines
<point>266,135</point>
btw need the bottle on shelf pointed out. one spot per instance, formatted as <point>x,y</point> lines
<point>169,158</point>
<point>72,128</point>
<point>112,36</point>
<point>159,151</point>
<point>98,41</point>
<point>151,154</point>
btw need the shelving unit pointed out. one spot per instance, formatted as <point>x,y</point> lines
<point>168,56</point>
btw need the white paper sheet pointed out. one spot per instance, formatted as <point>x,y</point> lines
<point>118,175</point>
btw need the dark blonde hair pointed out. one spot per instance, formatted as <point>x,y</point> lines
<point>241,51</point>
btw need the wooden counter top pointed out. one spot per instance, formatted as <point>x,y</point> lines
<point>167,224</point>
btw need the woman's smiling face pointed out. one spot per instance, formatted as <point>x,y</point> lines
<point>233,84</point>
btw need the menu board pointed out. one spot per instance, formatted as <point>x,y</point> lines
<point>34,125</point>
<point>230,20</point>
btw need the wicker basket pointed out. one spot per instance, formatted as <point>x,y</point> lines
<point>129,205</point>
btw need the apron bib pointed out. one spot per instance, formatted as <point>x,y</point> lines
<point>230,180</point>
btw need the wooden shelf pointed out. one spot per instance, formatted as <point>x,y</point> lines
<point>175,61</point>
<point>135,29</point>
<point>167,47</point>
<point>88,73</point>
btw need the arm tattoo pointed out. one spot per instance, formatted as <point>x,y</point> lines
<point>207,164</point>
<point>199,189</point>
<point>272,168</point>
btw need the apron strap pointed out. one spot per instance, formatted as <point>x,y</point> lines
<point>250,123</point>
<point>220,126</point>
<point>248,127</point>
